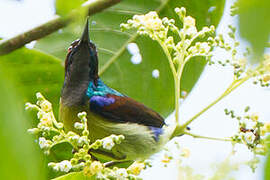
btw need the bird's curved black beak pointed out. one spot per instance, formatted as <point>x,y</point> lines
<point>85,35</point>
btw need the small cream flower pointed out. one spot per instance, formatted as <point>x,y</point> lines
<point>150,21</point>
<point>185,152</point>
<point>267,126</point>
<point>191,31</point>
<point>33,131</point>
<point>136,168</point>
<point>46,106</point>
<point>46,120</point>
<point>43,143</point>
<point>249,137</point>
<point>39,96</point>
<point>108,143</point>
<point>254,117</point>
<point>262,131</point>
<point>240,63</point>
<point>266,77</point>
<point>205,47</point>
<point>82,115</point>
<point>189,21</point>
<point>166,159</point>
<point>121,174</point>
<point>65,166</point>
<point>29,106</point>
<point>56,167</point>
<point>94,168</point>
<point>78,125</point>
<point>266,62</point>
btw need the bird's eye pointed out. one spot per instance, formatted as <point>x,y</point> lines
<point>73,45</point>
<point>70,48</point>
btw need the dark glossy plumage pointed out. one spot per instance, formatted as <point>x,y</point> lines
<point>123,109</point>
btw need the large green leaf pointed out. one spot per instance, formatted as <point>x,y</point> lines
<point>267,168</point>
<point>20,157</point>
<point>133,80</point>
<point>254,22</point>
<point>75,176</point>
<point>33,71</point>
<point>267,162</point>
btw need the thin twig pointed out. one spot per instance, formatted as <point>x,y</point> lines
<point>206,137</point>
<point>91,6</point>
<point>232,87</point>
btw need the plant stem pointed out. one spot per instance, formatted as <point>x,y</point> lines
<point>177,97</point>
<point>232,87</point>
<point>206,137</point>
<point>176,78</point>
<point>91,6</point>
<point>167,53</point>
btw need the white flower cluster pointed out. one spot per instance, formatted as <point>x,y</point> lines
<point>119,173</point>
<point>63,166</point>
<point>263,73</point>
<point>51,133</point>
<point>158,29</point>
<point>251,131</point>
<point>148,24</point>
<point>45,115</point>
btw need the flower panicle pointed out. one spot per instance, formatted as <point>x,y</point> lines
<point>251,132</point>
<point>50,133</point>
<point>157,29</point>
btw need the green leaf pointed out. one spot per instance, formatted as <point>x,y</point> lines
<point>116,68</point>
<point>33,71</point>
<point>20,157</point>
<point>60,152</point>
<point>267,168</point>
<point>75,176</point>
<point>63,7</point>
<point>267,162</point>
<point>254,22</point>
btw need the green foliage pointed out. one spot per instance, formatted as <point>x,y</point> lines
<point>254,23</point>
<point>20,158</point>
<point>75,176</point>
<point>267,163</point>
<point>131,79</point>
<point>61,152</point>
<point>33,71</point>
<point>267,168</point>
<point>63,7</point>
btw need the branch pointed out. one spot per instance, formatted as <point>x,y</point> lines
<point>231,88</point>
<point>180,129</point>
<point>208,138</point>
<point>91,6</point>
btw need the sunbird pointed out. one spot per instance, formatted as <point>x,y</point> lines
<point>108,111</point>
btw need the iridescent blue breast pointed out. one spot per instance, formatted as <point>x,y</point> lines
<point>100,90</point>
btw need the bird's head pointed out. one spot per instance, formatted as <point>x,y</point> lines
<point>81,62</point>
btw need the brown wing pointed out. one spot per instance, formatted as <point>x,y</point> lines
<point>124,109</point>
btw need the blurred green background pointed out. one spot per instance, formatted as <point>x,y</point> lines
<point>26,71</point>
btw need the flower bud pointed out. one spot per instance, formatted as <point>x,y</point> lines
<point>267,126</point>
<point>254,117</point>
<point>78,125</point>
<point>81,115</point>
<point>39,96</point>
<point>33,131</point>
